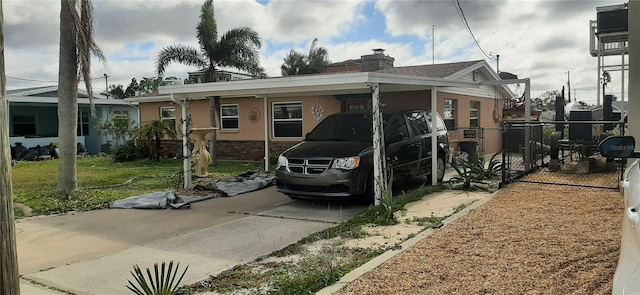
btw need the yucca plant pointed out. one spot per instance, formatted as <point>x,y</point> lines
<point>162,282</point>
<point>475,170</point>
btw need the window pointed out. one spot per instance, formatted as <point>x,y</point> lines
<point>287,119</point>
<point>120,120</point>
<point>417,123</point>
<point>24,125</point>
<point>474,114</point>
<point>168,113</point>
<point>83,123</point>
<point>450,113</point>
<point>397,125</point>
<point>440,125</point>
<point>229,116</point>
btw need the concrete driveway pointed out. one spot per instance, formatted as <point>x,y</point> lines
<point>93,252</point>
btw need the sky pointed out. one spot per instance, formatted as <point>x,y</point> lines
<point>544,40</point>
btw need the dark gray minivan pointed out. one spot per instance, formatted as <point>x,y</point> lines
<point>335,160</point>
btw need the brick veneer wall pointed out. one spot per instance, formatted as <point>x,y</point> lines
<point>245,150</point>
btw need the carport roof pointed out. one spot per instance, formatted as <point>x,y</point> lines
<point>411,78</point>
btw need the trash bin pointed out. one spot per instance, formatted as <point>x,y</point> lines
<point>469,147</point>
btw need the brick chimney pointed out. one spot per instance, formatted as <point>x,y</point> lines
<point>376,61</point>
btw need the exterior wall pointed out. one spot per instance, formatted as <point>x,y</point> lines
<point>490,114</point>
<point>247,142</point>
<point>406,100</point>
<point>46,121</point>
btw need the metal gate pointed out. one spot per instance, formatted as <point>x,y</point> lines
<point>527,150</point>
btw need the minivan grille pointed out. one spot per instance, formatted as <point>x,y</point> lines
<point>308,166</point>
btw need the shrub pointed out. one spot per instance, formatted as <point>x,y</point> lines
<point>127,152</point>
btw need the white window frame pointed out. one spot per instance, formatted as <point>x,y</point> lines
<point>473,109</point>
<point>453,108</point>
<point>236,117</point>
<point>274,120</point>
<point>162,117</point>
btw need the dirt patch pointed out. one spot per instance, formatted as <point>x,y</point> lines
<point>529,239</point>
<point>410,223</point>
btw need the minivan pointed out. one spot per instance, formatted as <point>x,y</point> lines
<point>335,160</point>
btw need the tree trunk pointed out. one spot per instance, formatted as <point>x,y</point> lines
<point>67,100</point>
<point>9,277</point>
<point>214,103</point>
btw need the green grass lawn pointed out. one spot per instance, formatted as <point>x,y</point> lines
<point>34,183</point>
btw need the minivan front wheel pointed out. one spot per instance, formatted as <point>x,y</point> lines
<point>440,169</point>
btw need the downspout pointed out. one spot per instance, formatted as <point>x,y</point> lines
<point>186,152</point>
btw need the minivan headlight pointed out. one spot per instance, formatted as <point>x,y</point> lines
<point>282,161</point>
<point>346,163</point>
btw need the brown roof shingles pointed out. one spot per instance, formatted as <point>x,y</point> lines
<point>435,70</point>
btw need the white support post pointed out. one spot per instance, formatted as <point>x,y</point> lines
<point>527,127</point>
<point>599,67</point>
<point>186,152</point>
<point>434,137</point>
<point>379,169</point>
<point>634,70</point>
<point>265,110</point>
<point>622,79</point>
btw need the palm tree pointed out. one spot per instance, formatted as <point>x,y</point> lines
<point>150,85</point>
<point>9,277</point>
<point>314,62</point>
<point>237,48</point>
<point>76,48</point>
<point>154,131</point>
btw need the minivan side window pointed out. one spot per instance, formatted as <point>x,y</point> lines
<point>417,123</point>
<point>397,125</point>
<point>440,124</point>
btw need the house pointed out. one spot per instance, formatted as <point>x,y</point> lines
<point>33,117</point>
<point>265,116</point>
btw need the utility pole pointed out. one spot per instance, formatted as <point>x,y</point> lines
<point>9,277</point>
<point>569,83</point>
<point>106,85</point>
<point>433,44</point>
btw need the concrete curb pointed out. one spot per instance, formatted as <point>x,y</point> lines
<point>377,261</point>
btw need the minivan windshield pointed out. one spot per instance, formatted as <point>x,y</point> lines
<point>351,127</point>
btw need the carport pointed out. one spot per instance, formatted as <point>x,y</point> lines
<point>322,84</point>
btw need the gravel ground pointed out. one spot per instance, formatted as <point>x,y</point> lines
<point>529,239</point>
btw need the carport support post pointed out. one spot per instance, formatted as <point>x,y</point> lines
<point>379,179</point>
<point>186,152</point>
<point>434,138</point>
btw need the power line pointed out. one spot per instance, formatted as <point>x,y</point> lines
<point>456,4</point>
<point>46,81</point>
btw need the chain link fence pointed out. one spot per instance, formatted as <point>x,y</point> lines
<point>561,153</point>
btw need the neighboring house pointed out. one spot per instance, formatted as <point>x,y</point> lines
<point>219,76</point>
<point>33,117</point>
<point>283,109</point>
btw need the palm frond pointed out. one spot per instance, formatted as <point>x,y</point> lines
<point>183,54</point>
<point>86,46</point>
<point>162,282</point>
<point>207,29</point>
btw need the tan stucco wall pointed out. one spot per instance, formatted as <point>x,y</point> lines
<point>492,128</point>
<point>254,130</point>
